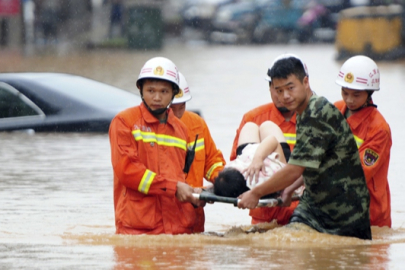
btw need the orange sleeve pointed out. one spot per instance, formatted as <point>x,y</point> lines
<point>235,141</point>
<point>129,168</point>
<point>374,150</point>
<point>340,105</point>
<point>214,160</point>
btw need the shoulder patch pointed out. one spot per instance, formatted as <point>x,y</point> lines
<point>370,157</point>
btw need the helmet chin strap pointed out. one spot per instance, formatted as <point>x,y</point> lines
<point>359,108</point>
<point>283,109</point>
<point>367,104</point>
<point>158,111</point>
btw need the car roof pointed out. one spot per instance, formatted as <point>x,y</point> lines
<point>72,87</point>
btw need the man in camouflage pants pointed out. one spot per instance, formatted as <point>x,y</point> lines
<point>336,199</point>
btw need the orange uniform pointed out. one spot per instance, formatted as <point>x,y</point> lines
<point>269,112</point>
<point>208,160</point>
<point>148,158</point>
<point>373,136</point>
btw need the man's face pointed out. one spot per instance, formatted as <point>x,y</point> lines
<point>275,100</point>
<point>354,99</point>
<point>178,109</point>
<point>291,92</point>
<point>157,93</point>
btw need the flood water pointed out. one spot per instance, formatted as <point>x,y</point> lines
<point>56,190</point>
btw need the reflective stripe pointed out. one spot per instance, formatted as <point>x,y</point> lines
<point>213,167</point>
<point>146,181</point>
<point>160,139</point>
<point>291,138</point>
<point>359,141</point>
<point>200,145</point>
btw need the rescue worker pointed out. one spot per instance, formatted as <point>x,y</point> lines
<point>336,199</point>
<point>359,77</point>
<point>208,160</point>
<point>148,150</point>
<point>277,113</point>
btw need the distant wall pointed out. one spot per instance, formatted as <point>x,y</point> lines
<point>10,23</point>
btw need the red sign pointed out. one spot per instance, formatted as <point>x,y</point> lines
<point>9,7</point>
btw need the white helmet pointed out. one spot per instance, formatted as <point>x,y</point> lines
<point>359,73</point>
<point>184,92</point>
<point>159,68</point>
<point>285,56</point>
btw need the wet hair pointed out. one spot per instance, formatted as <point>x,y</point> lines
<point>230,183</point>
<point>286,67</point>
<point>140,83</point>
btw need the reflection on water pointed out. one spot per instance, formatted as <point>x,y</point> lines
<point>295,248</point>
<point>243,256</point>
<point>56,189</point>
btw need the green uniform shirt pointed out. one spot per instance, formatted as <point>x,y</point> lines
<point>336,199</point>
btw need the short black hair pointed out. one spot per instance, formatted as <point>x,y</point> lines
<point>286,67</point>
<point>230,183</point>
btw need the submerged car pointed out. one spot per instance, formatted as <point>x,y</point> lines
<point>55,102</point>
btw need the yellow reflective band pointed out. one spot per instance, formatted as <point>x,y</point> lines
<point>160,139</point>
<point>359,141</point>
<point>213,167</point>
<point>291,138</point>
<point>171,141</point>
<point>200,145</point>
<point>146,181</point>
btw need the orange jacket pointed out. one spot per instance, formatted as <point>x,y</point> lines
<point>265,113</point>
<point>148,159</point>
<point>259,115</point>
<point>208,160</point>
<point>373,137</point>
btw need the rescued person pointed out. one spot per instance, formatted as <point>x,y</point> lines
<point>336,199</point>
<point>263,146</point>
<point>276,112</point>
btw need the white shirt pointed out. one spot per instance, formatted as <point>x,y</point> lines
<point>272,164</point>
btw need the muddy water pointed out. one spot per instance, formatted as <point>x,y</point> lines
<point>56,189</point>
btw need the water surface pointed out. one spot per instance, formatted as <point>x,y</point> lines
<point>56,189</point>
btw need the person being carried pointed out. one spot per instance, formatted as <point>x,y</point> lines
<point>335,199</point>
<point>148,155</point>
<point>208,159</point>
<point>276,112</point>
<point>359,77</point>
<point>263,146</point>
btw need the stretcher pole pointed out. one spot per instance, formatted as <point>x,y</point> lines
<point>210,197</point>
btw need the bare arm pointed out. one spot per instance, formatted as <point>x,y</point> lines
<point>265,148</point>
<point>289,191</point>
<point>280,180</point>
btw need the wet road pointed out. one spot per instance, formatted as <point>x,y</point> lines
<point>56,189</point>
